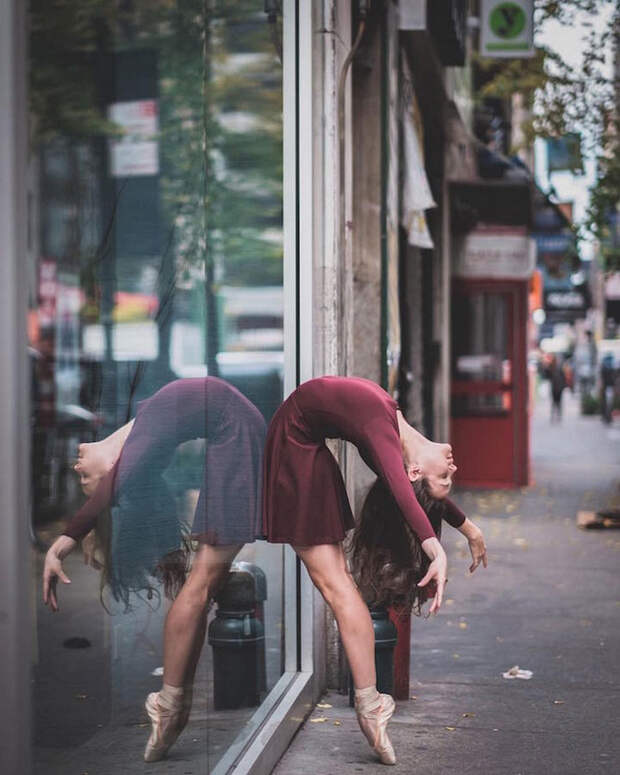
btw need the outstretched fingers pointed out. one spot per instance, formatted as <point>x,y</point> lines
<point>438,599</point>
<point>434,574</point>
<point>51,575</point>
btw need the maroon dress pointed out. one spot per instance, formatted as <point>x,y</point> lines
<point>304,496</point>
<point>140,493</point>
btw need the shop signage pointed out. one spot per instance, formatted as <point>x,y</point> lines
<point>506,28</point>
<point>498,255</point>
<point>565,305</point>
<point>554,243</point>
<point>135,153</point>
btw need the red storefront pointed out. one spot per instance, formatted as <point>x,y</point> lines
<point>489,382</point>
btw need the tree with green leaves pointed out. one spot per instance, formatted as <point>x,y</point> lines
<point>564,98</point>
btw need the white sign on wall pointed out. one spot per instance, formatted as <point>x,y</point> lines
<point>507,28</point>
<point>498,256</point>
<point>412,15</point>
<point>136,152</point>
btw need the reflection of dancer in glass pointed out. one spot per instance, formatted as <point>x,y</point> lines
<point>305,504</point>
<point>123,474</point>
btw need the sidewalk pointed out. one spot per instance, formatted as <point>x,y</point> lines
<point>549,601</point>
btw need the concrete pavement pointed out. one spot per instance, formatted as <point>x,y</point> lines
<point>549,602</point>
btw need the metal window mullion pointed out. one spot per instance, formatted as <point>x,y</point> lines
<point>291,354</point>
<point>306,162</point>
<point>15,590</point>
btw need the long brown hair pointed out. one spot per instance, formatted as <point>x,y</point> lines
<point>387,558</point>
<point>170,570</point>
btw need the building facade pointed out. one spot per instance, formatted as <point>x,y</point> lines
<point>195,189</point>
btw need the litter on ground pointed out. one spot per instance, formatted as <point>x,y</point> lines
<point>516,672</point>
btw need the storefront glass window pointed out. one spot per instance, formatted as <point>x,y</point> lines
<point>155,264</point>
<point>482,363</point>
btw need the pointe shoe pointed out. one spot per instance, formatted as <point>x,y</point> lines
<point>373,719</point>
<point>166,726</point>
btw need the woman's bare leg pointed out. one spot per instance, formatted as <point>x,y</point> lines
<point>184,634</point>
<point>184,630</point>
<point>328,570</point>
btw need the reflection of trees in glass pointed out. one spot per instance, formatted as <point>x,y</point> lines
<point>220,152</point>
<point>220,116</point>
<point>221,140</point>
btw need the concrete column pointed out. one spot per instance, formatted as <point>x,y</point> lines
<point>332,275</point>
<point>332,254</point>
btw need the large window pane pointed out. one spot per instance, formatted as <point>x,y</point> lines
<point>155,257</point>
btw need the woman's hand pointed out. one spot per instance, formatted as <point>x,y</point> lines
<point>477,547</point>
<point>52,570</point>
<point>437,571</point>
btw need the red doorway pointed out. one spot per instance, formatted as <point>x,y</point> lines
<point>489,395</point>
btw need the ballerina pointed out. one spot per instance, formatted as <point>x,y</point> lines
<point>305,504</point>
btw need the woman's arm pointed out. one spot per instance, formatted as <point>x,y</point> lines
<point>52,570</point>
<point>477,546</point>
<point>453,515</point>
<point>85,519</point>
<point>384,455</point>
<point>437,571</point>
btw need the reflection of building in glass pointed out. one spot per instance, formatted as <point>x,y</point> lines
<point>156,253</point>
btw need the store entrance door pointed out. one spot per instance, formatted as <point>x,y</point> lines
<point>489,418</point>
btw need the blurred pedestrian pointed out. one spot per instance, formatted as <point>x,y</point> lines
<point>557,381</point>
<point>608,383</point>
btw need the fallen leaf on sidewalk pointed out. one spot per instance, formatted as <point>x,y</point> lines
<point>463,625</point>
<point>456,656</point>
<point>468,715</point>
<point>319,720</point>
<point>337,723</point>
<point>324,705</point>
<point>451,729</point>
<point>520,542</point>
